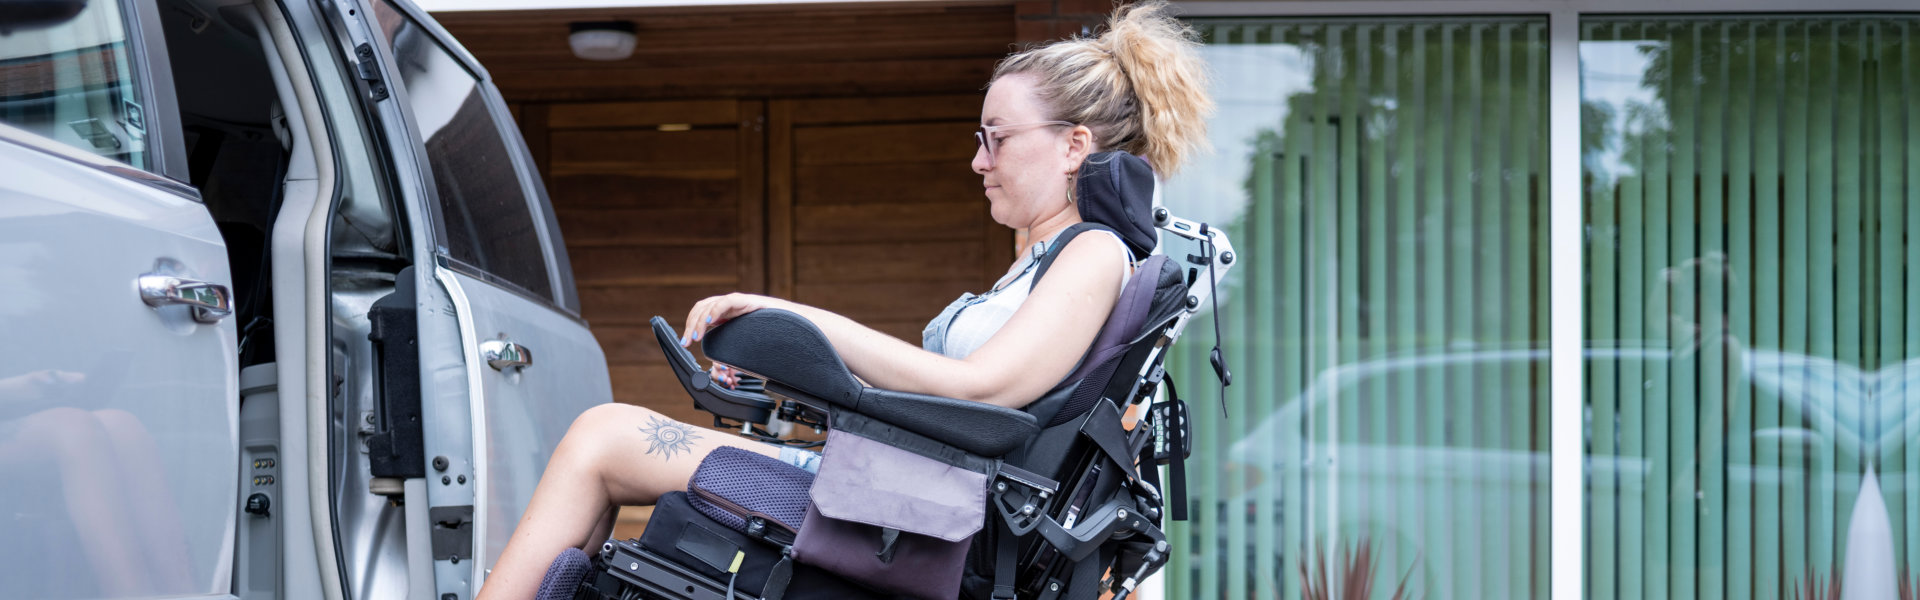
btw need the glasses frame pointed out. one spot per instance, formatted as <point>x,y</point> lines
<point>984,135</point>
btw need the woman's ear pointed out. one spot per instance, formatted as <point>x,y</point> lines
<point>1079,147</point>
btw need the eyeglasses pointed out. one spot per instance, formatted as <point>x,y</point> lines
<point>984,134</point>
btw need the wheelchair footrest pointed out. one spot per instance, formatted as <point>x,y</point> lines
<point>683,554</point>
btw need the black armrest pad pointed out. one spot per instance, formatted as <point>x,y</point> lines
<point>784,347</point>
<point>787,348</point>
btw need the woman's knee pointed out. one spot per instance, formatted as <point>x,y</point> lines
<point>595,434</point>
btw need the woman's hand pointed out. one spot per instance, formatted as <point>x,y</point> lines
<point>724,375</point>
<point>711,312</point>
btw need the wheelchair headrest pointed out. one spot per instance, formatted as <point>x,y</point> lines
<point>1115,189</point>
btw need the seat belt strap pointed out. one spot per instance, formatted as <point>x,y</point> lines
<point>1085,584</point>
<point>1006,555</point>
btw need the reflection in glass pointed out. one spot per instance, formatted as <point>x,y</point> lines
<point>74,83</point>
<point>86,495</point>
<point>1749,189</point>
<point>484,212</point>
<point>1386,180</point>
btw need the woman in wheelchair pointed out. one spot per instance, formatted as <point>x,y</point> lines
<point>1139,88</point>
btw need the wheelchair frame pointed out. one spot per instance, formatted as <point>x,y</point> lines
<point>1049,520</point>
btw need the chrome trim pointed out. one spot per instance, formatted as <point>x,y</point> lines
<point>505,354</point>
<point>211,302</point>
<point>32,141</point>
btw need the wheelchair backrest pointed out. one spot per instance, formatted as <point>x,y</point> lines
<point>1156,286</point>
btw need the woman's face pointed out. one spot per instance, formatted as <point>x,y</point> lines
<point>1026,177</point>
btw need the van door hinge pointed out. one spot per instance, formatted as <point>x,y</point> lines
<point>369,70</point>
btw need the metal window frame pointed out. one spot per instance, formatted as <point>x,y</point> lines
<point>539,211</point>
<point>1565,262</point>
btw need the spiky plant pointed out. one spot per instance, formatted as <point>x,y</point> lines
<point>1354,572</point>
<point>1813,589</point>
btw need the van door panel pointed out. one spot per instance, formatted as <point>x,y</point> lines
<point>118,421</point>
<point>523,411</point>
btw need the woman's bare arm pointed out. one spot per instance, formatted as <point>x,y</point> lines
<point>1038,346</point>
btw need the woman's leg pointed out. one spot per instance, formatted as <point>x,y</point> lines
<point>614,454</point>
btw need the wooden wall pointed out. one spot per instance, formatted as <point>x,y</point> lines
<point>768,51</point>
<point>863,206</point>
<point>813,152</point>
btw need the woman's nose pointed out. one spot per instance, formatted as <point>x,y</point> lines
<point>982,162</point>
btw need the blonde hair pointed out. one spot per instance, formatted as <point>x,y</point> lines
<point>1140,86</point>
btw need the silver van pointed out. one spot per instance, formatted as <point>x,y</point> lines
<point>284,312</point>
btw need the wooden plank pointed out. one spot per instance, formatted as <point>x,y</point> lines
<point>709,151</point>
<point>754,79</point>
<point>944,180</point>
<point>752,231</point>
<point>608,115</point>
<point>868,110</point>
<point>649,226</point>
<point>870,144</point>
<point>633,305</point>
<point>817,32</point>
<point>887,222</point>
<point>642,191</point>
<point>655,265</point>
<point>749,51</point>
<point>632,344</point>
<point>780,198</point>
<point>874,302</point>
<point>950,262</point>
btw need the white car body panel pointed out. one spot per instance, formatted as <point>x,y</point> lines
<point>118,421</point>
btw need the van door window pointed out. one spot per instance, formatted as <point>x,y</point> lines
<point>74,82</point>
<point>486,221</point>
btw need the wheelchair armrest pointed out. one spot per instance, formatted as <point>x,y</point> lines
<point>789,350</point>
<point>739,405</point>
<point>976,427</point>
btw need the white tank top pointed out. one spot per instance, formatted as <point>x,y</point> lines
<point>967,323</point>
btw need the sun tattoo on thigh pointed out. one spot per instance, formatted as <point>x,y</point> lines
<point>668,438</point>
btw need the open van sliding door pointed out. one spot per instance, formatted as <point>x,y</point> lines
<point>506,363</point>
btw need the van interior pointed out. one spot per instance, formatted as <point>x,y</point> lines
<point>264,160</point>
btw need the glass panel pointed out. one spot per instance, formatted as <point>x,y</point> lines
<point>73,82</point>
<point>484,212</point>
<point>1751,310</point>
<point>1386,180</point>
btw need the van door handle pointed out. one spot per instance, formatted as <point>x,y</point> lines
<point>210,301</point>
<point>503,355</point>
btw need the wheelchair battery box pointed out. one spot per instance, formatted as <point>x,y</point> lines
<point>698,553</point>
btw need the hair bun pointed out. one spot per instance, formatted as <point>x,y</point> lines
<point>1140,86</point>
<point>1162,63</point>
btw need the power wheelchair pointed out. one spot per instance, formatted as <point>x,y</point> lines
<point>922,496</point>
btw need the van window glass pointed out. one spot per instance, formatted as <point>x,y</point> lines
<point>73,82</point>
<point>486,219</point>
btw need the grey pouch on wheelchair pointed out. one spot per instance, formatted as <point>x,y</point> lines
<point>890,518</point>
